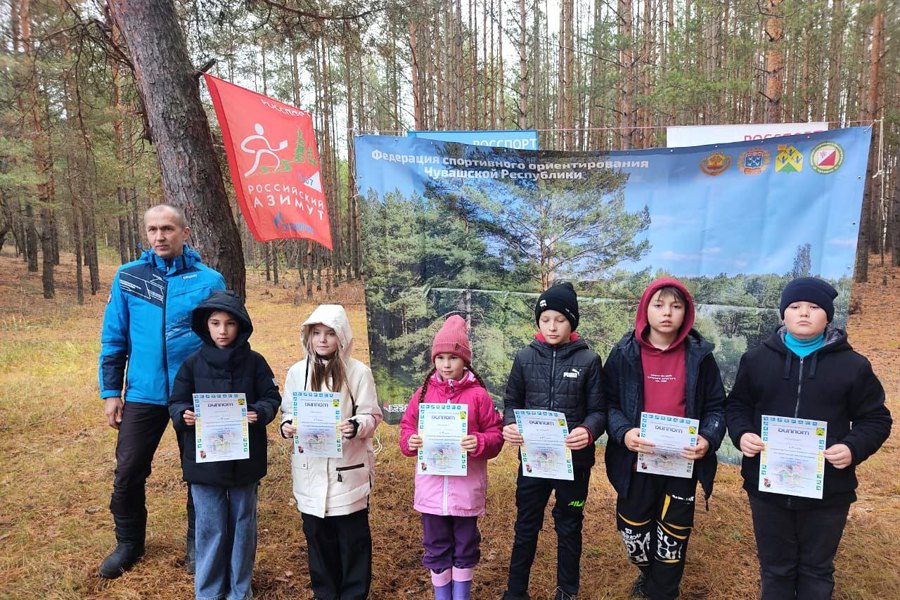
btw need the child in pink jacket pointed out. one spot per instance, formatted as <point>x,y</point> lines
<point>451,505</point>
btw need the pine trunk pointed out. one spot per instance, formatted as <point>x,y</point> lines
<point>191,176</point>
<point>774,31</point>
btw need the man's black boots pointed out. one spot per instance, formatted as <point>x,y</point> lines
<point>130,532</point>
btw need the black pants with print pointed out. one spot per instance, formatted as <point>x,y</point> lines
<point>655,521</point>
<point>532,495</point>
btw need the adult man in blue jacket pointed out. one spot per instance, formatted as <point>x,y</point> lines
<point>147,327</point>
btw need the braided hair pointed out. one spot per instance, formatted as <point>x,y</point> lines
<point>425,384</point>
<point>477,376</point>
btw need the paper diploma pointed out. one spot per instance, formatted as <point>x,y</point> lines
<point>442,427</point>
<point>793,461</point>
<point>221,428</point>
<point>544,453</point>
<point>317,415</point>
<point>670,435</point>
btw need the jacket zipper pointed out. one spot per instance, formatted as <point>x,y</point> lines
<point>340,476</point>
<point>446,483</point>
<point>790,499</point>
<point>799,389</point>
<point>552,379</point>
<point>165,349</point>
<point>444,499</point>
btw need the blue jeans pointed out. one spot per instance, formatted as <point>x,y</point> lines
<point>226,541</point>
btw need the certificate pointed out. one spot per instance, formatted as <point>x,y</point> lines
<point>793,460</point>
<point>670,435</point>
<point>544,453</point>
<point>442,427</point>
<point>221,428</point>
<point>317,415</point>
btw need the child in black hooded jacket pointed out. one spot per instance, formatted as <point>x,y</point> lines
<point>225,492</point>
<point>805,370</point>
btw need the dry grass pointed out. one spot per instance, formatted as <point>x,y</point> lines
<point>57,465</point>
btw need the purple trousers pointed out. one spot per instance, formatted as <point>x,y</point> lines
<point>450,542</point>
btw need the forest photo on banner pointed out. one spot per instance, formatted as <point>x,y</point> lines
<point>480,231</point>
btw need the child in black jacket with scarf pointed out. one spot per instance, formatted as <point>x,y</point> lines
<point>806,370</point>
<point>225,492</point>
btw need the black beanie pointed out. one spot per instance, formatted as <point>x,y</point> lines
<point>561,298</point>
<point>809,289</point>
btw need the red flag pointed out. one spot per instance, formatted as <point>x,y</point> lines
<point>274,164</point>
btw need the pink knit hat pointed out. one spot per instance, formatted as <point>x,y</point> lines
<point>452,338</point>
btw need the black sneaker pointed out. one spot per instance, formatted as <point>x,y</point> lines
<point>639,588</point>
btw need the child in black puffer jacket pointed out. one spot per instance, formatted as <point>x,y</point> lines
<point>556,372</point>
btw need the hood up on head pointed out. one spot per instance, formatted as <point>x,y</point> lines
<point>334,316</point>
<point>228,301</point>
<point>642,325</point>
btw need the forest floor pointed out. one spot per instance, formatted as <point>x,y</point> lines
<point>57,467</point>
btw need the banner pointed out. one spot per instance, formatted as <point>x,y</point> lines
<point>274,163</point>
<point>524,139</point>
<point>479,231</point>
<point>700,135</point>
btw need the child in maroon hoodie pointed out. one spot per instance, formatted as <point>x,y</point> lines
<point>664,366</point>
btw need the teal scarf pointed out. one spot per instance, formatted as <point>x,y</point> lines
<point>803,348</point>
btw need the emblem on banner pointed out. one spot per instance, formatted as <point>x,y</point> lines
<point>715,163</point>
<point>788,160</point>
<point>826,158</point>
<point>754,161</point>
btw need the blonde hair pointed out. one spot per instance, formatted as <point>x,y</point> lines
<point>328,372</point>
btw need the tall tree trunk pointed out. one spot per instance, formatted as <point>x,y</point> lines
<point>191,176</point>
<point>31,238</point>
<point>415,71</point>
<point>626,76</point>
<point>867,220</point>
<point>894,225</point>
<point>524,72</point>
<point>874,113</point>
<point>350,47</point>
<point>567,65</point>
<point>833,101</point>
<point>78,241</point>
<point>774,31</point>
<point>41,164</point>
<point>47,265</point>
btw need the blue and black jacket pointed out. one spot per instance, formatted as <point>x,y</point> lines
<point>147,324</point>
